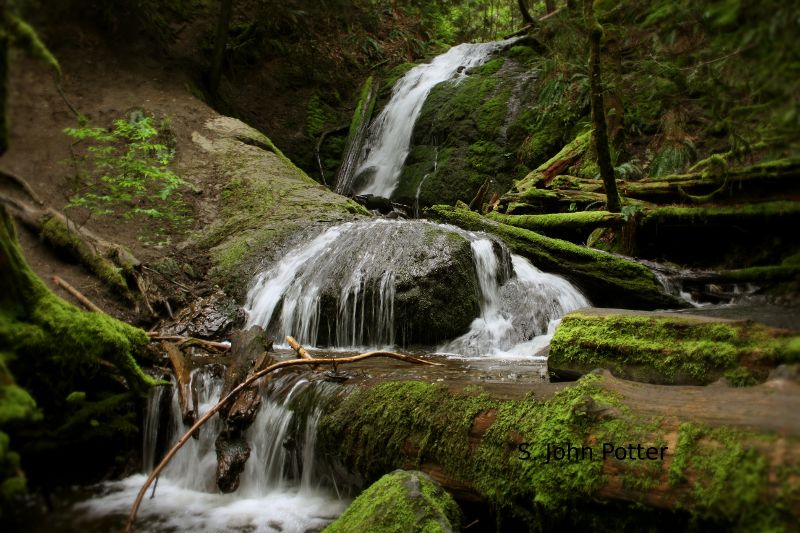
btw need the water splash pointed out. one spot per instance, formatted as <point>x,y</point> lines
<point>518,318</point>
<point>280,489</point>
<point>389,136</point>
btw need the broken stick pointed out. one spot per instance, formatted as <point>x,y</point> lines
<point>86,302</point>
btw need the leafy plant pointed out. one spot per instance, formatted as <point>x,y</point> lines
<point>125,170</point>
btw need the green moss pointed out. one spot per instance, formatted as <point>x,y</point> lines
<point>400,502</point>
<point>606,279</point>
<point>733,476</point>
<point>54,348</point>
<point>673,349</point>
<point>266,199</point>
<point>58,235</point>
<point>541,143</point>
<point>374,430</point>
<point>361,110</point>
<point>395,74</point>
<point>560,221</point>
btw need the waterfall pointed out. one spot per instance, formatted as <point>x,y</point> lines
<point>389,135</point>
<point>357,266</point>
<point>425,177</point>
<point>281,487</point>
<point>519,317</point>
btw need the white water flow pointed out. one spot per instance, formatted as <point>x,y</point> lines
<point>280,489</point>
<point>425,177</point>
<point>517,319</point>
<point>389,135</point>
<point>347,278</point>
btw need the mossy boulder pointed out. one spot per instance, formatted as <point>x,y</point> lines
<point>262,201</point>
<point>669,348</point>
<point>436,290</point>
<point>401,502</point>
<point>469,131</point>
<point>603,277</point>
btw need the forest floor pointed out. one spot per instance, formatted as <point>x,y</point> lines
<point>103,84</point>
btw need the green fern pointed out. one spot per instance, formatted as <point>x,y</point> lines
<point>125,169</point>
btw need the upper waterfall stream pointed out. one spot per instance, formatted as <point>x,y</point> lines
<point>389,135</point>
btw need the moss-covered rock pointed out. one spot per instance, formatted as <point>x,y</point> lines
<point>401,502</point>
<point>603,277</point>
<point>264,199</point>
<point>669,349</point>
<point>469,131</point>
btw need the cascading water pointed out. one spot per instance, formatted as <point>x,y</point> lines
<point>358,265</point>
<point>389,135</point>
<point>519,317</point>
<point>280,487</point>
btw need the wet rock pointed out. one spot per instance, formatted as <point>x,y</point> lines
<point>232,454</point>
<point>212,317</point>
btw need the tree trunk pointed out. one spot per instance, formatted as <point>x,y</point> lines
<point>223,24</point>
<point>549,6</point>
<point>598,112</point>
<point>4,41</point>
<point>526,15</point>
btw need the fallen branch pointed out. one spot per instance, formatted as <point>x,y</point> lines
<point>86,302</point>
<point>243,385</point>
<point>188,341</point>
<point>301,352</point>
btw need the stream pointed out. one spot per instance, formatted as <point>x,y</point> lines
<point>355,287</point>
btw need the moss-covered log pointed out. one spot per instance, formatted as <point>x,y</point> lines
<point>654,456</point>
<point>759,180</point>
<point>356,136</point>
<point>78,366</point>
<point>401,502</point>
<point>108,261</point>
<point>668,348</point>
<point>574,227</point>
<point>603,277</point>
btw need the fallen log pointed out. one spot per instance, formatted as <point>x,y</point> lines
<point>301,352</point>
<point>603,277</point>
<point>667,348</point>
<point>727,457</point>
<point>233,393</point>
<point>574,227</point>
<point>104,259</point>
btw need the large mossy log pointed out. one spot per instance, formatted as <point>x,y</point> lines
<point>668,348</point>
<point>79,367</point>
<point>606,279</point>
<point>574,227</point>
<point>722,457</point>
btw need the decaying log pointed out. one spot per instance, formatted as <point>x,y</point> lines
<point>101,257</point>
<point>233,393</point>
<point>183,377</point>
<point>86,302</point>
